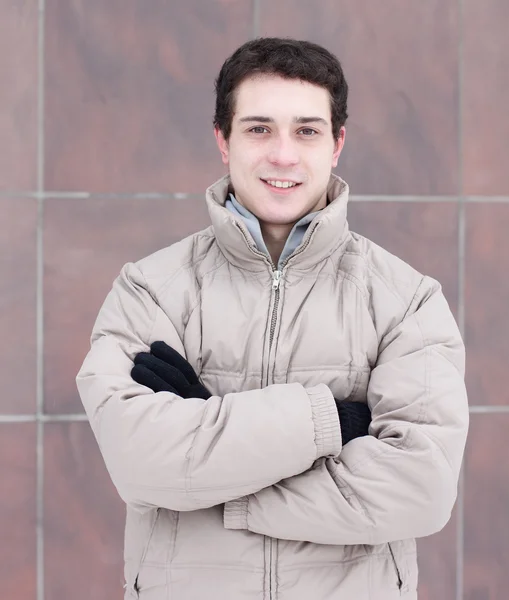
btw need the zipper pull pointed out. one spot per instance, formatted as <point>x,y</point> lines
<point>276,278</point>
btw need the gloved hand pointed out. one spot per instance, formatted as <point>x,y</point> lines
<point>165,370</point>
<point>354,419</point>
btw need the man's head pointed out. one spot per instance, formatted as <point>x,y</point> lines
<point>281,106</point>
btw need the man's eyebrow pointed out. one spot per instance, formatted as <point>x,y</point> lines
<point>257,119</point>
<point>299,120</point>
<point>305,120</point>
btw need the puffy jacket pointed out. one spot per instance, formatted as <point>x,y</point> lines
<point>250,494</point>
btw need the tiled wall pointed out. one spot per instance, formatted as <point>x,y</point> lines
<point>106,148</point>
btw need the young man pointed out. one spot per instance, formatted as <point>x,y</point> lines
<point>327,428</point>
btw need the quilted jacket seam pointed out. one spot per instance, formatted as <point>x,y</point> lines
<point>389,284</point>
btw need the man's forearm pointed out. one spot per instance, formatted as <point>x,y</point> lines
<point>188,454</point>
<point>401,481</point>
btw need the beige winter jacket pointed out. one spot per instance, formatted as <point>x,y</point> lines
<point>250,495</point>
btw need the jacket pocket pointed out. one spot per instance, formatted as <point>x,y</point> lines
<point>400,571</point>
<point>146,547</point>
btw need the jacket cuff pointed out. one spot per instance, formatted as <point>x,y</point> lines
<point>235,513</point>
<point>325,417</point>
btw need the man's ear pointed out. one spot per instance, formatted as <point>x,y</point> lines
<point>338,147</point>
<point>222,144</point>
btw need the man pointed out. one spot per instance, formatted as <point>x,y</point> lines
<point>327,426</point>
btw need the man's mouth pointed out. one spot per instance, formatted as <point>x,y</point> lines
<point>281,183</point>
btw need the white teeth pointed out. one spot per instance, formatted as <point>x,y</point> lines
<point>281,184</point>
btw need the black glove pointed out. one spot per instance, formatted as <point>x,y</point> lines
<point>354,418</point>
<point>165,370</point>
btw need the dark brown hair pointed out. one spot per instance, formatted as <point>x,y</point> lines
<point>284,57</point>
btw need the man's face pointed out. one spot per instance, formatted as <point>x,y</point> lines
<point>281,135</point>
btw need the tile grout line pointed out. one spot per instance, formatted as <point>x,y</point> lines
<point>460,522</point>
<point>81,195</point>
<point>40,308</point>
<point>255,31</point>
<point>486,199</point>
<point>104,195</point>
<point>461,266</point>
<point>491,410</point>
<point>35,418</point>
<point>401,198</point>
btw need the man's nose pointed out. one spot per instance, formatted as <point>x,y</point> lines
<point>283,151</point>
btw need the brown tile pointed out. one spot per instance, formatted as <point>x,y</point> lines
<point>130,92</point>
<point>487,302</point>
<point>486,501</point>
<point>437,564</point>
<point>85,245</point>
<point>83,518</point>
<point>485,96</point>
<point>18,95</point>
<point>424,234</point>
<point>18,304</point>
<point>400,61</point>
<point>18,510</point>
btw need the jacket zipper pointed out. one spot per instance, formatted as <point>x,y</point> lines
<point>276,278</point>
<point>276,282</point>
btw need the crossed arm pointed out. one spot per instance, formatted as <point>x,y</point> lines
<point>185,454</point>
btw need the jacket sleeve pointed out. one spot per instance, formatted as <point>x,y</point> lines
<point>186,454</point>
<point>400,481</point>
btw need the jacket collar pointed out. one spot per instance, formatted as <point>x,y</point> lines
<point>253,225</point>
<point>327,231</point>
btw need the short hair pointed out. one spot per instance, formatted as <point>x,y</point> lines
<point>283,57</point>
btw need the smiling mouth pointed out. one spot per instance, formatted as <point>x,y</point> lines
<point>281,184</point>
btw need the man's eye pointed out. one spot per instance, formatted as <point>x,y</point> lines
<point>308,132</point>
<point>258,129</point>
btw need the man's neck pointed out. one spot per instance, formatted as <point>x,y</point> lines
<point>275,237</point>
